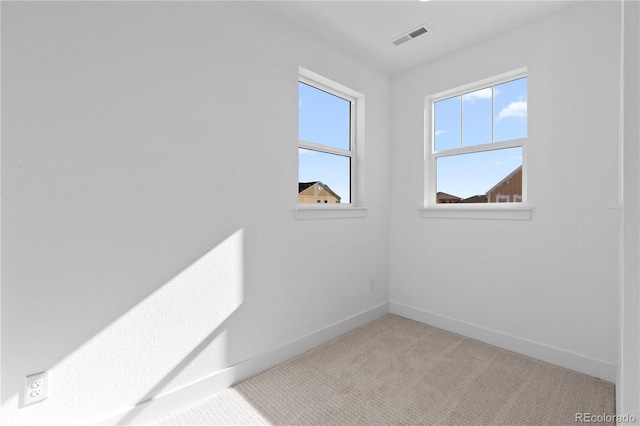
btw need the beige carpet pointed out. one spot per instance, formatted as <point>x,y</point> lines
<point>397,371</point>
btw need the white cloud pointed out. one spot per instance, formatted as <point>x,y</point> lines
<point>478,94</point>
<point>516,109</point>
<point>439,132</point>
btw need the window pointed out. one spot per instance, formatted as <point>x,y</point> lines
<point>477,138</point>
<point>326,143</point>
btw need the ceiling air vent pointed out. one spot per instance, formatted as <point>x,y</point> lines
<point>422,29</point>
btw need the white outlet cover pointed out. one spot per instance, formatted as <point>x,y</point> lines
<point>36,388</point>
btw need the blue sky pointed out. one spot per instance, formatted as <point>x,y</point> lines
<point>459,121</point>
<point>467,121</point>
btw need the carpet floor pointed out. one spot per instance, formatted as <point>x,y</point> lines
<point>395,371</point>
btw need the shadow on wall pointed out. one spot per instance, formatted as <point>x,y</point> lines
<point>133,414</point>
<point>159,337</point>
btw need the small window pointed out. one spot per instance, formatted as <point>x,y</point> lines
<point>477,142</point>
<point>326,143</point>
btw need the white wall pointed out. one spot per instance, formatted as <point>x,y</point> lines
<point>149,175</point>
<point>555,294</point>
<point>628,381</point>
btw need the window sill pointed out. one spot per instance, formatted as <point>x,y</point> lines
<point>302,213</point>
<point>460,212</point>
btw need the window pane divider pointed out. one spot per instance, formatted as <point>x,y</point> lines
<point>480,148</point>
<point>324,148</point>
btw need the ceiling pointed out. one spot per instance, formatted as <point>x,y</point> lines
<point>365,28</point>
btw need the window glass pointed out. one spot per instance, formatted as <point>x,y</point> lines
<point>478,144</point>
<point>323,118</point>
<point>331,172</point>
<point>480,177</point>
<point>510,110</point>
<point>476,117</point>
<point>447,124</point>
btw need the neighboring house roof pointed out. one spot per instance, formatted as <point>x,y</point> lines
<point>302,186</point>
<point>443,196</point>
<point>475,199</point>
<point>506,179</point>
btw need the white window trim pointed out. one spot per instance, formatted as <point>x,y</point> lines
<point>431,209</point>
<point>356,207</point>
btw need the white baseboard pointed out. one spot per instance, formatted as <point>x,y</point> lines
<point>179,399</point>
<point>556,356</point>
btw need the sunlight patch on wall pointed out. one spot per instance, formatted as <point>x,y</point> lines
<point>147,348</point>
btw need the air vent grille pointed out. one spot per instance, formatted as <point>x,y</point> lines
<point>410,35</point>
<point>418,32</point>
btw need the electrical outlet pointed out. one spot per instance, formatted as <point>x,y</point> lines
<point>36,388</point>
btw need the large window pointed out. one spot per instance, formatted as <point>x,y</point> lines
<point>477,143</point>
<point>326,144</point>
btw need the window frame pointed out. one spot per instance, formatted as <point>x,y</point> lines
<point>355,207</point>
<point>431,208</point>
<point>326,149</point>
